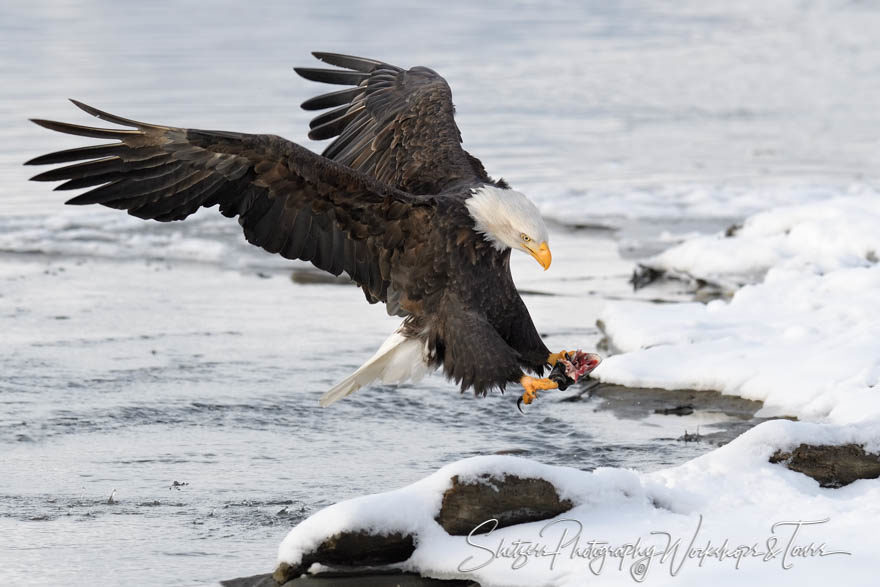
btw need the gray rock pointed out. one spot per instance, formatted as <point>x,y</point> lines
<point>352,549</point>
<point>831,466</point>
<point>354,579</point>
<point>264,580</point>
<point>308,275</point>
<point>375,580</point>
<point>511,500</point>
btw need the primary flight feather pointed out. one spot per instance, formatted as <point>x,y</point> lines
<point>394,201</point>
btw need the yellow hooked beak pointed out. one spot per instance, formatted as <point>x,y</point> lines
<point>541,253</point>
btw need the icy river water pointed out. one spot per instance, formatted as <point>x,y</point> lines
<point>159,384</point>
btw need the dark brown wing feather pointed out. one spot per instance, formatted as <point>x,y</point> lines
<point>396,125</point>
<point>289,200</point>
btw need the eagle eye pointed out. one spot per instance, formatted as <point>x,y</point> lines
<point>526,238</point>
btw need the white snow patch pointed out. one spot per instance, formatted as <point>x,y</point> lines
<point>804,340</point>
<point>818,236</point>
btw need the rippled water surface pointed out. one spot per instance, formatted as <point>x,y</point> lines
<point>178,370</point>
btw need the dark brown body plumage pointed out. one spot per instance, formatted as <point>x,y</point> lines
<point>384,203</point>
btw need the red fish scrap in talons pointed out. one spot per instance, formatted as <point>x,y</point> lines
<point>572,366</point>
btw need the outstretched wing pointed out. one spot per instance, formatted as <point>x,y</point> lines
<point>289,200</point>
<point>396,125</point>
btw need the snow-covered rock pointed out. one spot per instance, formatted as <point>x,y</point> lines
<point>726,518</point>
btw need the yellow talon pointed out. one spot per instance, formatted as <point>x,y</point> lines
<point>532,386</point>
<point>553,358</point>
<point>529,396</point>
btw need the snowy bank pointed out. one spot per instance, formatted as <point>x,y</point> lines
<point>726,518</point>
<point>821,236</point>
<point>804,340</point>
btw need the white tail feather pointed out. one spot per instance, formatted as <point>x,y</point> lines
<point>399,359</point>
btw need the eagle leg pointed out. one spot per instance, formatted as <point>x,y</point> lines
<point>532,386</point>
<point>553,358</point>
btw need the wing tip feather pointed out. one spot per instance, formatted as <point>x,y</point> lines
<point>38,160</point>
<point>85,131</point>
<point>101,114</point>
<point>44,176</point>
<point>345,77</point>
<point>353,62</point>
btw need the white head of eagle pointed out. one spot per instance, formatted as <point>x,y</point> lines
<point>509,220</point>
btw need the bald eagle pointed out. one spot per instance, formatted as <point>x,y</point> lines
<point>394,201</point>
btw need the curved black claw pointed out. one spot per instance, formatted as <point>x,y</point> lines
<point>519,403</point>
